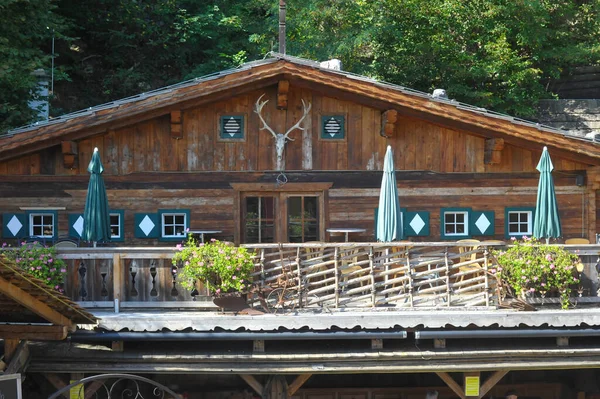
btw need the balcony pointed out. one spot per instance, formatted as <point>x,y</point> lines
<point>318,276</point>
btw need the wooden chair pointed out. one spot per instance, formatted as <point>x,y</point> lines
<point>400,263</point>
<point>66,244</point>
<point>314,259</point>
<point>468,257</point>
<point>576,241</point>
<point>349,266</point>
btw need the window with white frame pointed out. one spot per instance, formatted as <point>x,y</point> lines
<point>173,224</point>
<point>115,225</point>
<point>520,222</point>
<point>41,225</point>
<point>456,224</point>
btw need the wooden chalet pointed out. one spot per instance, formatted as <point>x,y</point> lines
<point>285,157</point>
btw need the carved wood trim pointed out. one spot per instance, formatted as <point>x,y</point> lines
<point>291,187</point>
<point>283,88</point>
<point>388,123</point>
<point>493,151</point>
<point>176,125</point>
<point>70,154</point>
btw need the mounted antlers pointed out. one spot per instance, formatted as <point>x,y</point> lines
<point>280,138</point>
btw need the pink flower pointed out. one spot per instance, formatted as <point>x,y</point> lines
<point>39,268</point>
<point>512,238</point>
<point>48,279</point>
<point>552,266</point>
<point>63,270</point>
<point>178,246</point>
<point>234,277</point>
<point>218,291</point>
<point>3,244</point>
<point>543,284</point>
<point>548,257</point>
<point>56,287</point>
<point>50,260</point>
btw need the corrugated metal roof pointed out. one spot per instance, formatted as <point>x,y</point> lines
<point>152,321</point>
<point>274,58</point>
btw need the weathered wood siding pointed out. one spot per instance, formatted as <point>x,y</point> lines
<point>350,202</point>
<point>148,146</point>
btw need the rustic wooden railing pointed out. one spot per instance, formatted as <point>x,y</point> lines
<point>328,275</point>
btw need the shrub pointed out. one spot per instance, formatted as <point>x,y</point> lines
<point>530,267</point>
<point>39,261</point>
<point>221,265</point>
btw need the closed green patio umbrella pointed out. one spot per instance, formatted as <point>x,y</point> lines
<point>96,217</point>
<point>389,223</point>
<point>546,223</point>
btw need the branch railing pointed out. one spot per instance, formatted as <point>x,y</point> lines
<point>333,275</point>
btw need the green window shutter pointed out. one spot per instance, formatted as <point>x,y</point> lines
<point>75,225</point>
<point>482,223</point>
<point>146,225</point>
<point>416,224</point>
<point>332,127</point>
<point>231,127</point>
<point>400,222</point>
<point>14,225</point>
<point>121,214</point>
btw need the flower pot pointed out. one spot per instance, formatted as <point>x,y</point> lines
<point>232,302</point>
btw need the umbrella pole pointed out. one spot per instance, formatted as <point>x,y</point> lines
<point>94,244</point>
<point>547,241</point>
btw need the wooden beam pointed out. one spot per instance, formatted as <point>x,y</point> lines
<point>388,123</point>
<point>91,389</point>
<point>70,154</point>
<point>10,347</point>
<point>491,382</point>
<point>283,87</point>
<point>254,384</point>
<point>19,359</point>
<point>176,125</point>
<point>297,384</point>
<point>33,332</point>
<point>457,389</point>
<point>57,382</point>
<point>493,151</point>
<point>35,305</point>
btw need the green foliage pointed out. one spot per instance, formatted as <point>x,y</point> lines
<point>39,261</point>
<point>529,267</point>
<point>26,29</point>
<point>222,266</point>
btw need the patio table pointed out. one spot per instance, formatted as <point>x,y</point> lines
<point>346,231</point>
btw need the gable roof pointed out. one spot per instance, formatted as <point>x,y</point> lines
<point>27,300</point>
<point>303,73</point>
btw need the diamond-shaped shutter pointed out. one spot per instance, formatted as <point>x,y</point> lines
<point>416,224</point>
<point>75,225</point>
<point>482,223</point>
<point>232,127</point>
<point>332,127</point>
<point>146,225</point>
<point>14,225</point>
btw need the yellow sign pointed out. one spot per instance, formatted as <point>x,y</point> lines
<point>472,386</point>
<point>77,392</point>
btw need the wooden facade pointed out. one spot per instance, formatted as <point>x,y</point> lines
<point>165,152</point>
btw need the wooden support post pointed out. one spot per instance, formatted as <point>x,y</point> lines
<point>19,359</point>
<point>258,345</point>
<point>493,151</point>
<point>591,215</point>
<point>336,267</point>
<point>90,390</point>
<point>10,347</point>
<point>117,280</point>
<point>388,123</point>
<point>453,385</point>
<point>472,383</point>
<point>283,88</point>
<point>254,384</point>
<point>491,382</point>
<point>70,154</point>
<point>439,343</point>
<point>376,343</point>
<point>562,341</point>
<point>276,388</point>
<point>117,346</point>
<point>297,384</point>
<point>176,125</point>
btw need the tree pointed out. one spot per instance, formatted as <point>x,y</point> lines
<point>26,30</point>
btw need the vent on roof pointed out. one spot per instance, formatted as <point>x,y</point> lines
<point>334,64</point>
<point>440,93</point>
<point>595,136</point>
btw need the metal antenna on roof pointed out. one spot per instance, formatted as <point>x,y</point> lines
<point>282,26</point>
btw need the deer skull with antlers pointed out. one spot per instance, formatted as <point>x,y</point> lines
<point>280,138</point>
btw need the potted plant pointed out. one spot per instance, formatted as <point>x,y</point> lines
<point>223,267</point>
<point>530,268</point>
<point>39,261</point>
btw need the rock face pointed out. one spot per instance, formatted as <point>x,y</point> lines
<point>579,117</point>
